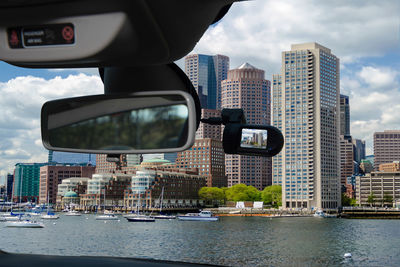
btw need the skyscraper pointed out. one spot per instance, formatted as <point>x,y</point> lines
<point>307,112</point>
<point>344,115</point>
<point>277,114</point>
<point>246,88</point>
<point>206,73</point>
<point>359,150</point>
<point>386,147</point>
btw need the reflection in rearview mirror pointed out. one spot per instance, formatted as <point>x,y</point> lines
<point>149,128</point>
<point>129,124</point>
<point>254,138</point>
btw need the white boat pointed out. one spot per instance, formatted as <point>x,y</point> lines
<point>34,214</point>
<point>12,218</point>
<point>202,216</point>
<point>109,217</point>
<point>50,216</point>
<point>140,218</point>
<point>73,213</point>
<point>137,217</point>
<point>319,214</point>
<point>162,216</point>
<point>24,224</point>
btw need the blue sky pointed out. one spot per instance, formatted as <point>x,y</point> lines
<point>364,34</point>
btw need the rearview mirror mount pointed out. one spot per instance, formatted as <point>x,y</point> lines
<point>245,139</point>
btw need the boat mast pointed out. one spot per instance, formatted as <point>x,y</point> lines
<point>20,187</point>
<point>162,198</point>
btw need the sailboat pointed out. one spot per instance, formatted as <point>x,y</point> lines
<point>50,215</point>
<point>106,216</point>
<point>139,217</point>
<point>162,216</point>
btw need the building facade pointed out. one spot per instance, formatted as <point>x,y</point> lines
<point>359,150</point>
<point>386,147</point>
<point>78,185</point>
<point>247,88</point>
<point>390,167</point>
<point>26,182</point>
<point>127,164</point>
<point>180,187</point>
<point>207,155</point>
<point>105,190</point>
<point>9,186</point>
<point>344,115</point>
<point>277,115</point>
<point>52,175</point>
<point>307,112</point>
<point>366,166</point>
<point>383,188</point>
<point>71,158</point>
<point>207,130</point>
<point>346,160</point>
<point>206,73</point>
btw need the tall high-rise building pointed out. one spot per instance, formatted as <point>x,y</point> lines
<point>206,73</point>
<point>386,147</point>
<point>68,157</point>
<point>346,159</point>
<point>247,88</point>
<point>307,112</point>
<point>359,150</point>
<point>344,115</point>
<point>277,113</point>
<point>207,130</point>
<point>26,181</point>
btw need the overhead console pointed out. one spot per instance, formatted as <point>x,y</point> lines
<point>93,33</point>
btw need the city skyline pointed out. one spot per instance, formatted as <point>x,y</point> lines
<point>369,67</point>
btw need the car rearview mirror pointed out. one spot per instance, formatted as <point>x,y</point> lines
<point>145,122</point>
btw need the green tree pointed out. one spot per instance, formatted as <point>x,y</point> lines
<point>371,199</point>
<point>353,202</point>
<point>272,195</point>
<point>211,194</point>
<point>387,199</point>
<point>242,192</point>
<point>345,200</point>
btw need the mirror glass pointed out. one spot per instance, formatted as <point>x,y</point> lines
<point>135,123</point>
<point>254,138</point>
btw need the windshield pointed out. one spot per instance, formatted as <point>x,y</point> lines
<point>325,73</point>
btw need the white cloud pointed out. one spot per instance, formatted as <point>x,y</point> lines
<point>258,31</point>
<point>378,77</point>
<point>374,101</point>
<point>88,71</point>
<point>21,100</point>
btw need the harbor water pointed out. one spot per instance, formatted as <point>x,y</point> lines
<point>232,241</point>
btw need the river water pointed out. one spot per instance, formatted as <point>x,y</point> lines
<point>233,241</point>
